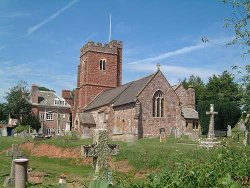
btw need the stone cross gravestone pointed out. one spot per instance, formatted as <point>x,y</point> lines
<point>100,150</point>
<point>229,131</point>
<point>15,153</point>
<point>211,134</point>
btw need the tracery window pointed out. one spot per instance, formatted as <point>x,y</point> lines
<point>102,64</point>
<point>158,104</point>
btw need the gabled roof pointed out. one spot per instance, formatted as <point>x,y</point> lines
<point>130,94</point>
<point>189,113</point>
<point>46,98</point>
<point>124,94</point>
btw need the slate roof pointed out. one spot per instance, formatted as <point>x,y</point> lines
<point>86,118</point>
<point>121,95</point>
<point>46,98</point>
<point>189,113</point>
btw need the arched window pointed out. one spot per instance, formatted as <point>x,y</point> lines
<point>102,64</point>
<point>158,104</point>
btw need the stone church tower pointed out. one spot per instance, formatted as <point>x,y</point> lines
<point>100,68</point>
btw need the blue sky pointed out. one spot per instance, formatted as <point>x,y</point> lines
<point>40,40</point>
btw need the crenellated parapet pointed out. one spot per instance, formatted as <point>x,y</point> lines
<point>111,47</point>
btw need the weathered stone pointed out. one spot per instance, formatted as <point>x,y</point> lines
<point>21,176</point>
<point>15,153</point>
<point>177,133</point>
<point>4,131</point>
<point>211,134</point>
<point>229,131</point>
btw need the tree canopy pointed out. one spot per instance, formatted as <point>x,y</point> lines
<point>19,107</point>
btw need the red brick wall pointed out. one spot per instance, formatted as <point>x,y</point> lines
<point>91,80</point>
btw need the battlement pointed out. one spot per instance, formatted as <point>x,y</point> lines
<point>111,47</point>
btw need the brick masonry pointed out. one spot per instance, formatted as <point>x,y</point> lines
<point>91,80</point>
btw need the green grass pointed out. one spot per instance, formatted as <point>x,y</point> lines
<point>177,156</point>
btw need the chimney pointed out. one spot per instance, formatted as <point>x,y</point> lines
<point>34,93</point>
<point>67,96</point>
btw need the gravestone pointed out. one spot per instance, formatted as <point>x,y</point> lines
<point>173,130</point>
<point>177,133</point>
<point>4,131</point>
<point>100,150</point>
<point>229,131</point>
<point>34,131</point>
<point>40,131</point>
<point>211,134</point>
<point>246,140</point>
<point>162,134</point>
<point>194,135</point>
<point>211,140</point>
<point>15,153</point>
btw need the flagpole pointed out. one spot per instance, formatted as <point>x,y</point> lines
<point>110,27</point>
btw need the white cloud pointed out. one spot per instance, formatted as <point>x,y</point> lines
<point>173,53</point>
<point>52,17</point>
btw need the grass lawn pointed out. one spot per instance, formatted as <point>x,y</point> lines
<point>144,157</point>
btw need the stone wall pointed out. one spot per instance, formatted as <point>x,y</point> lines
<point>186,96</point>
<point>172,111</point>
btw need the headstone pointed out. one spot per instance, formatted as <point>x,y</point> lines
<point>210,141</point>
<point>162,134</point>
<point>100,150</point>
<point>34,131</point>
<point>229,131</point>
<point>242,126</point>
<point>40,131</point>
<point>246,141</point>
<point>177,133</point>
<point>173,130</point>
<point>194,135</point>
<point>4,131</point>
<point>211,134</point>
<point>15,153</point>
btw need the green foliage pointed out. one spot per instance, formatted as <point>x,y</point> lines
<point>32,121</point>
<point>3,113</point>
<point>228,114</point>
<point>223,88</point>
<point>240,22</point>
<point>225,167</point>
<point>44,89</point>
<point>21,128</point>
<point>19,107</point>
<point>17,98</point>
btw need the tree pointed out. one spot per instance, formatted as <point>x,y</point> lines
<point>19,107</point>
<point>228,114</point>
<point>222,88</point>
<point>3,113</point>
<point>240,21</point>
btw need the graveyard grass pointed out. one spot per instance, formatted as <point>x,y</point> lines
<point>146,163</point>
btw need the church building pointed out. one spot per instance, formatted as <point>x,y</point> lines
<point>137,109</point>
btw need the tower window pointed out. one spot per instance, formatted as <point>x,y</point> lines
<point>158,104</point>
<point>102,64</point>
